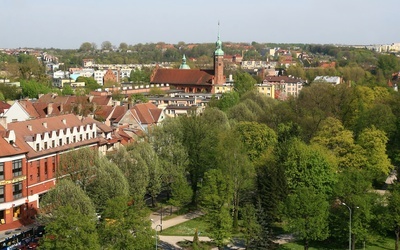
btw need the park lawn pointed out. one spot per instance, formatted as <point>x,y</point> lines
<point>187,228</point>
<point>387,243</point>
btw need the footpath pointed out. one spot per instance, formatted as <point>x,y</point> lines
<point>159,223</point>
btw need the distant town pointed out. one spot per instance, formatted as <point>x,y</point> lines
<point>54,102</point>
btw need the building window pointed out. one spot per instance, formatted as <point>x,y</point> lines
<point>53,143</point>
<point>37,147</point>
<point>17,167</point>
<point>87,135</point>
<point>45,145</point>
<point>81,137</point>
<point>60,142</point>
<point>94,135</point>
<point>38,173</point>
<point>1,170</point>
<point>17,190</point>
<point>67,140</point>
<point>1,193</point>
<point>74,138</point>
<point>45,170</point>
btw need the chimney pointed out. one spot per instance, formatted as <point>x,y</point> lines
<point>64,121</point>
<point>49,108</point>
<point>3,122</point>
<point>29,127</point>
<point>44,124</point>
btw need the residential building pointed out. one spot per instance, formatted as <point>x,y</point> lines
<point>29,160</point>
<point>285,86</point>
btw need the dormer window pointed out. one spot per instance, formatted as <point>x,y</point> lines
<point>37,147</point>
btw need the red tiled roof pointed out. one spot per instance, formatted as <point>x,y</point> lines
<point>146,113</point>
<point>118,113</point>
<point>28,106</point>
<point>37,127</point>
<point>103,111</point>
<point>100,125</point>
<point>4,106</point>
<point>182,76</point>
<point>8,150</point>
<point>101,100</point>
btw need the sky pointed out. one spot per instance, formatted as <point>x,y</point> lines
<point>67,24</point>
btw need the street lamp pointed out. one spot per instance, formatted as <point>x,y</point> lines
<point>156,234</point>
<point>344,204</point>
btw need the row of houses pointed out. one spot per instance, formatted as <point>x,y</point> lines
<point>35,134</point>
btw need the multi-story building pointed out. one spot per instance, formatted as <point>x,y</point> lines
<point>29,156</point>
<point>285,86</point>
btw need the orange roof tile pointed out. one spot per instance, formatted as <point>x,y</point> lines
<point>30,128</point>
<point>182,76</point>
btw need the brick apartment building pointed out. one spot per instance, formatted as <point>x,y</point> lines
<point>29,156</point>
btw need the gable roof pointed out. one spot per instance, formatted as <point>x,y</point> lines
<point>28,106</point>
<point>146,113</point>
<point>182,76</point>
<point>101,100</point>
<point>4,106</point>
<point>28,129</point>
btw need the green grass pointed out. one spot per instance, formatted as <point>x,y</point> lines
<point>385,244</point>
<point>188,228</point>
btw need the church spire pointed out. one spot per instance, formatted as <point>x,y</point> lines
<point>184,65</point>
<point>218,51</point>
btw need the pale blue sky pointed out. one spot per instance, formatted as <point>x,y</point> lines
<point>67,24</point>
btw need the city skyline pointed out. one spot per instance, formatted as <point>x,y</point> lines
<point>67,24</point>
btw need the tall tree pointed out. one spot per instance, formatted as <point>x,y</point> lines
<point>167,143</point>
<point>85,47</point>
<point>234,163</point>
<point>243,82</point>
<point>306,213</point>
<point>256,137</point>
<point>70,230</point>
<point>135,170</point>
<point>109,182</point>
<point>65,193</point>
<point>147,153</point>
<point>215,200</point>
<point>79,165</point>
<point>125,225</point>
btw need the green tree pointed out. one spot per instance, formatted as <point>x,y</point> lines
<point>85,47</point>
<point>215,200</point>
<point>106,45</point>
<point>392,216</point>
<point>228,100</point>
<point>63,194</point>
<point>125,225</point>
<point>2,96</point>
<point>306,213</point>
<point>167,143</point>
<point>67,90</point>
<point>147,153</point>
<point>70,230</point>
<point>79,165</point>
<point>373,141</point>
<point>256,137</point>
<point>234,162</point>
<point>90,83</point>
<point>243,82</point>
<point>32,89</point>
<point>250,227</point>
<point>10,92</point>
<point>310,166</point>
<point>135,170</point>
<point>123,46</point>
<point>109,182</point>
